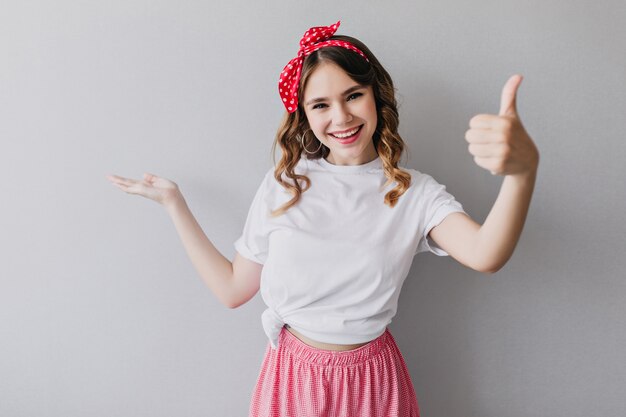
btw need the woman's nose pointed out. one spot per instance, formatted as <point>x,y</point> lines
<point>341,115</point>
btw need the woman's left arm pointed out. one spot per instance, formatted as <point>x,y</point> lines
<point>501,145</point>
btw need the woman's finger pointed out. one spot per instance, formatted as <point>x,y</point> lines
<point>482,136</point>
<point>121,180</point>
<point>491,150</point>
<point>129,188</point>
<point>116,178</point>
<point>126,184</point>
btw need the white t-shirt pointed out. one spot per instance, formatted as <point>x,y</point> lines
<point>334,264</point>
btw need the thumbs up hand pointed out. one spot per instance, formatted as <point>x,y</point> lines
<point>499,143</point>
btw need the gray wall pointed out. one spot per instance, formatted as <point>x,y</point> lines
<point>101,312</point>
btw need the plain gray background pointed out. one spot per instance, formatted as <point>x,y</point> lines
<point>102,313</point>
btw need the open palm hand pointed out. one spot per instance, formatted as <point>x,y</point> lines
<point>151,186</point>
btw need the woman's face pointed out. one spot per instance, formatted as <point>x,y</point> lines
<point>342,115</point>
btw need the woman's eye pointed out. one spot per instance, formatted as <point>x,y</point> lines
<point>354,95</point>
<point>318,106</point>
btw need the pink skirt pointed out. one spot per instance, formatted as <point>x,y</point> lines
<point>298,380</point>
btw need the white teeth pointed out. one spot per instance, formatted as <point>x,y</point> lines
<point>345,135</point>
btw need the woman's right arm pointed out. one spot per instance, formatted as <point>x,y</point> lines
<point>232,283</point>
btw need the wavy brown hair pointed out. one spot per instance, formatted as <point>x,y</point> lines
<point>387,142</point>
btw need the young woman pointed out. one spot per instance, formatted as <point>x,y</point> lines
<point>334,226</point>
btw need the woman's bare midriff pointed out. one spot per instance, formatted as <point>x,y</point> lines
<point>320,345</point>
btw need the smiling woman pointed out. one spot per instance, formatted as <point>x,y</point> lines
<point>331,233</point>
<point>344,118</point>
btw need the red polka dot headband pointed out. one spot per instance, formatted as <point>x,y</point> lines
<point>312,40</point>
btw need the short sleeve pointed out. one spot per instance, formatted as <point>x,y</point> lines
<point>253,242</point>
<point>438,203</point>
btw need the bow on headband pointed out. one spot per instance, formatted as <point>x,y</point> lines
<point>312,40</point>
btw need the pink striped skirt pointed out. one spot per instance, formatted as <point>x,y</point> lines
<point>298,380</point>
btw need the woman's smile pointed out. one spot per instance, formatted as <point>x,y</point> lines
<point>348,136</point>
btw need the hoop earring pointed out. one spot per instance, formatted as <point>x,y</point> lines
<point>301,140</point>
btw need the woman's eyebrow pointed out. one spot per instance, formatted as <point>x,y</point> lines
<point>345,93</point>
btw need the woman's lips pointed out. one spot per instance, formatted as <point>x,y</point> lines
<point>348,139</point>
